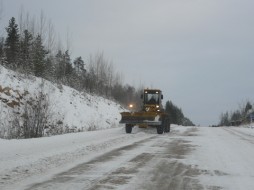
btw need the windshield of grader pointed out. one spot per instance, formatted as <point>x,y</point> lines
<point>151,98</point>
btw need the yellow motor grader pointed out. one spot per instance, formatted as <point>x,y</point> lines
<point>151,114</point>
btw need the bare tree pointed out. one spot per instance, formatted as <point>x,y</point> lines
<point>41,27</point>
<point>1,9</point>
<point>36,117</point>
<point>103,74</point>
<point>68,41</point>
<point>21,21</point>
<point>51,38</point>
<point>110,71</point>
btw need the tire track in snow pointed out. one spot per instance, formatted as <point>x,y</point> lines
<point>246,137</point>
<point>91,174</point>
<point>157,167</point>
<point>143,161</point>
<point>57,163</point>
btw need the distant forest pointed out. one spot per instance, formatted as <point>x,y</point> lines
<point>243,115</point>
<point>30,47</point>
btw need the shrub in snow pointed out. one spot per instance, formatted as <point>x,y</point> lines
<point>30,122</point>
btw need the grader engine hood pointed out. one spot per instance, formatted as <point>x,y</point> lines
<point>151,108</point>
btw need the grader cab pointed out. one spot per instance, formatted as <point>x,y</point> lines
<point>152,113</point>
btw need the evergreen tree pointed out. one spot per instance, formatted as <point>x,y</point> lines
<point>176,115</point>
<point>224,119</point>
<point>91,79</point>
<point>68,71</point>
<point>68,65</point>
<point>236,116</point>
<point>25,51</point>
<point>248,107</point>
<point>80,73</point>
<point>1,50</point>
<point>59,66</point>
<point>79,66</point>
<point>171,109</point>
<point>50,69</point>
<point>64,69</point>
<point>39,57</point>
<point>12,43</point>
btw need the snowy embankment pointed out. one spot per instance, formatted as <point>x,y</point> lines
<point>67,108</point>
<point>250,125</point>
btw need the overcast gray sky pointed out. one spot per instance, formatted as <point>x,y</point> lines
<point>200,53</point>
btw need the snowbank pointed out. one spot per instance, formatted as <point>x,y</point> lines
<point>67,107</point>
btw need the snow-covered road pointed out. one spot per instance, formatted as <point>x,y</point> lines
<point>186,158</point>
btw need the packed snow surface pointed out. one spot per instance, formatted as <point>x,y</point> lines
<point>187,157</point>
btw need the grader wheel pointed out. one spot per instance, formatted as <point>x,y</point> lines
<point>164,127</point>
<point>128,128</point>
<point>160,129</point>
<point>167,126</point>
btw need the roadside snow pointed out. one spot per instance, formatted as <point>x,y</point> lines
<point>225,157</point>
<point>67,107</point>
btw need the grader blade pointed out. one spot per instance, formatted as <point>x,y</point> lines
<point>138,118</point>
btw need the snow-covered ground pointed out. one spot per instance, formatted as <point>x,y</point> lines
<point>225,156</point>
<point>186,158</point>
<point>67,107</point>
<point>26,161</point>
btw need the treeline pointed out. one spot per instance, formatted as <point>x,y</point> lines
<point>176,115</point>
<point>33,51</point>
<point>243,115</point>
